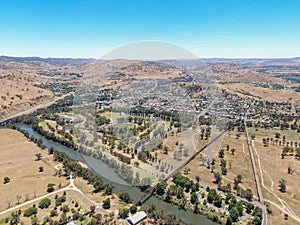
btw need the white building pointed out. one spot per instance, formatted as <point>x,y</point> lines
<point>136,218</point>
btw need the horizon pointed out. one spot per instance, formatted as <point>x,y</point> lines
<point>90,29</point>
<point>100,59</point>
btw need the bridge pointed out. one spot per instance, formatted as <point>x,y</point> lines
<point>149,191</point>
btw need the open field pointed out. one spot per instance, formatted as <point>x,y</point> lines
<point>272,170</point>
<point>239,163</point>
<point>18,162</point>
<point>247,90</point>
<point>19,93</point>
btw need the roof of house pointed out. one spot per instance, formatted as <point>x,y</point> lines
<point>136,218</point>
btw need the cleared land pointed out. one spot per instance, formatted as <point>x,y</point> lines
<point>237,163</point>
<point>19,163</point>
<point>18,92</point>
<point>247,90</point>
<point>272,168</point>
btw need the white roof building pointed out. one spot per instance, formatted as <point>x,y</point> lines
<point>72,223</point>
<point>136,218</point>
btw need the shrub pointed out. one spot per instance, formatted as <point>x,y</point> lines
<point>45,203</point>
<point>30,211</point>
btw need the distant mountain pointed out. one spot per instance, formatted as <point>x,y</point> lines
<point>52,61</point>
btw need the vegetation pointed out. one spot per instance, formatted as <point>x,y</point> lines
<point>45,203</point>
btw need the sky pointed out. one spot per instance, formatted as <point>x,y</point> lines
<point>207,28</point>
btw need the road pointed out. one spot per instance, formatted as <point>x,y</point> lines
<point>150,189</point>
<point>70,187</point>
<point>285,208</point>
<point>257,182</point>
<point>36,108</point>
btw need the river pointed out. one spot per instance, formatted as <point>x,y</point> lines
<point>108,174</point>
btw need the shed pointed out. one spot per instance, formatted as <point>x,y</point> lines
<point>136,218</point>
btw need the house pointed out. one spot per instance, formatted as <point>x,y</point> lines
<point>136,218</point>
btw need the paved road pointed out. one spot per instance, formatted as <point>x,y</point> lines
<point>259,192</point>
<point>36,108</point>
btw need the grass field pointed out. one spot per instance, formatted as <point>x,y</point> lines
<point>18,162</point>
<point>239,163</point>
<point>247,90</point>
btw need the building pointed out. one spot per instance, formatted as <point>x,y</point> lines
<point>136,218</point>
<point>72,223</point>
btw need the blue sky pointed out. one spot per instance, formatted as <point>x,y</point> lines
<point>91,28</point>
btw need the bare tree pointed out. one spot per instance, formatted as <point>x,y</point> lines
<point>18,199</point>
<point>8,201</point>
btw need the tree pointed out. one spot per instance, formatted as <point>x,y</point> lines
<point>212,193</point>
<point>290,170</point>
<point>221,153</point>
<point>194,198</point>
<point>38,156</point>
<point>248,194</point>
<point>229,221</point>
<point>123,213</point>
<point>51,151</point>
<point>160,188</point>
<point>133,209</point>
<point>282,185</point>
<point>124,196</point>
<point>108,189</point>
<point>232,151</point>
<point>166,149</point>
<point>237,181</point>
<point>218,177</point>
<point>6,180</point>
<point>15,217</point>
<point>106,203</point>
<point>30,211</point>
<point>41,169</point>
<point>53,213</point>
<point>34,220</point>
<point>45,203</point>
<point>224,170</point>
<point>234,214</point>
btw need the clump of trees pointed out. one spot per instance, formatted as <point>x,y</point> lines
<point>44,203</point>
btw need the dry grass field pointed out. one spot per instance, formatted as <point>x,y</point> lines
<point>272,168</point>
<point>18,162</point>
<point>18,93</point>
<point>239,163</point>
<point>247,90</point>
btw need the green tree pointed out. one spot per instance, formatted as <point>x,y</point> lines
<point>160,188</point>
<point>45,203</point>
<point>282,185</point>
<point>123,213</point>
<point>234,214</point>
<point>221,153</point>
<point>6,180</point>
<point>229,221</point>
<point>133,209</point>
<point>38,156</point>
<point>30,211</point>
<point>218,178</point>
<point>194,198</point>
<point>124,196</point>
<point>106,204</point>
